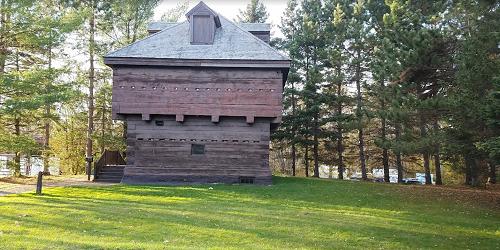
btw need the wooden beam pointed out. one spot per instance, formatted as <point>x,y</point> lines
<point>179,118</point>
<point>215,118</point>
<point>250,119</point>
<point>146,117</point>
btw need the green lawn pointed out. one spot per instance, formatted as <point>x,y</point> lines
<point>293,213</point>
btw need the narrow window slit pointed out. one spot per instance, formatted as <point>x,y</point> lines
<point>247,179</point>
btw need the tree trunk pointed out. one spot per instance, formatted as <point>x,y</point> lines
<point>103,125</point>
<point>359,116</point>
<point>3,30</point>
<point>385,155</point>
<point>341,159</point>
<point>474,177</point>
<point>315,147</point>
<point>17,157</point>
<point>437,161</point>
<point>46,141</point>
<point>294,153</point>
<point>340,146</point>
<point>468,169</point>
<point>425,152</point>
<point>428,180</point>
<point>90,125</point>
<point>294,156</point>
<point>306,160</point>
<point>493,172</point>
<point>399,163</point>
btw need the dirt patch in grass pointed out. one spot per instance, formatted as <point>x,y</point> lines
<point>23,184</point>
<point>31,180</point>
<point>487,196</point>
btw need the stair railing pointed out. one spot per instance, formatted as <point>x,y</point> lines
<point>108,158</point>
<point>99,165</point>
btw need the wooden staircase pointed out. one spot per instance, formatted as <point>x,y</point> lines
<point>109,168</point>
<point>110,174</point>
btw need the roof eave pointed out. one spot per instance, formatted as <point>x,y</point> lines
<point>219,63</point>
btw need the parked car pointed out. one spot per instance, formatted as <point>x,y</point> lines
<point>411,181</point>
<point>354,178</point>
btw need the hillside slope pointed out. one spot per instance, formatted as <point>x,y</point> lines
<point>293,213</point>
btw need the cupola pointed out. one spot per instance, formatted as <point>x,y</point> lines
<point>203,23</point>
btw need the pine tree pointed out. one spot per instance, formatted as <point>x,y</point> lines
<point>28,83</point>
<point>255,12</point>
<point>357,30</point>
<point>472,99</point>
<point>335,92</point>
<point>288,130</point>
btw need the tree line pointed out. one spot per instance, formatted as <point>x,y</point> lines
<point>410,85</point>
<point>55,91</point>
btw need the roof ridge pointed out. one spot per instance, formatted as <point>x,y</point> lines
<point>145,38</point>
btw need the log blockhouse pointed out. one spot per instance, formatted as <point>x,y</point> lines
<point>200,99</point>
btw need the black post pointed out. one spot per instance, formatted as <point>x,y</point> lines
<point>89,166</point>
<point>39,183</point>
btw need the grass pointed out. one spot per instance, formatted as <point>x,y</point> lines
<point>293,213</point>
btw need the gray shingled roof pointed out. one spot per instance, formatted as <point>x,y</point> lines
<point>231,42</point>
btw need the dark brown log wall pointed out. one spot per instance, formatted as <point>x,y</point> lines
<point>197,91</point>
<point>233,149</point>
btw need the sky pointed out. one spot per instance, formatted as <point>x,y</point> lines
<point>230,8</point>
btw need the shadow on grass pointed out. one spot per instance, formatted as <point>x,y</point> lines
<point>293,213</point>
